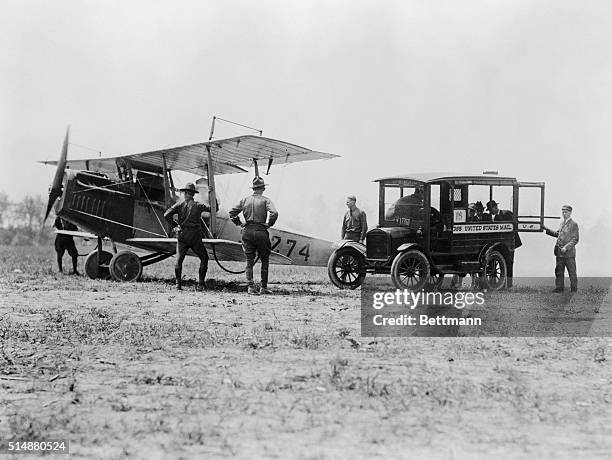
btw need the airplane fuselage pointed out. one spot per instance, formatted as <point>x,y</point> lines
<point>122,211</point>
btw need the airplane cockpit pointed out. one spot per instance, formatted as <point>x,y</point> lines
<point>149,187</point>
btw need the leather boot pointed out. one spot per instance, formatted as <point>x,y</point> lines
<point>202,278</point>
<point>178,276</point>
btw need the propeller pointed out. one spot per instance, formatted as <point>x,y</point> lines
<point>56,187</point>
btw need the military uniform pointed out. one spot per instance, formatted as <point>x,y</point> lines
<point>65,243</point>
<point>567,238</point>
<point>190,234</point>
<point>255,237</point>
<point>354,225</point>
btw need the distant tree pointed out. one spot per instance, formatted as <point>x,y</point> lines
<point>4,206</point>
<point>30,211</point>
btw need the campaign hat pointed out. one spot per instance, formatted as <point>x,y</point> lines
<point>189,187</point>
<point>258,182</point>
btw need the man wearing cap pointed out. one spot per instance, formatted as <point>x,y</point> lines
<point>259,213</point>
<point>65,243</point>
<point>565,250</point>
<point>189,229</point>
<point>354,223</point>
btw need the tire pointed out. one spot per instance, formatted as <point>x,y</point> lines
<point>410,270</point>
<point>97,270</point>
<point>495,271</point>
<point>346,268</point>
<point>125,266</point>
<point>435,281</point>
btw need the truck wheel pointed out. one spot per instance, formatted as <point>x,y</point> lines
<point>125,266</point>
<point>495,271</point>
<point>435,281</point>
<point>346,268</point>
<point>410,270</point>
<point>98,269</point>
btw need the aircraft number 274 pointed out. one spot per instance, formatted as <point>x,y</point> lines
<point>291,243</point>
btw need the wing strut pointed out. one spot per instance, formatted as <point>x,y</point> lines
<point>166,183</point>
<point>212,196</point>
<point>256,167</point>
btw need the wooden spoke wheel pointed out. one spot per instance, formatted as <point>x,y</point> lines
<point>98,269</point>
<point>125,266</point>
<point>435,281</point>
<point>346,268</point>
<point>495,271</point>
<point>410,270</point>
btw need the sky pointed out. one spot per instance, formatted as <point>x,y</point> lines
<point>521,87</point>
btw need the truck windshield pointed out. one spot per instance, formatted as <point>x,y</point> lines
<point>403,205</point>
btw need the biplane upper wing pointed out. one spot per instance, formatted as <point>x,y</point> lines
<point>224,249</point>
<point>232,155</point>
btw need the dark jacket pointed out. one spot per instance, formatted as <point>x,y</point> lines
<point>507,216</point>
<point>188,217</point>
<point>503,216</point>
<point>567,237</point>
<point>62,224</point>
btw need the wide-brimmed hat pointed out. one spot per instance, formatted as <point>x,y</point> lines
<point>189,187</point>
<point>258,182</point>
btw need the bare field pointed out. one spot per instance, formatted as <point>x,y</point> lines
<point>140,370</point>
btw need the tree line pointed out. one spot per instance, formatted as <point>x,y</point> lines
<point>21,222</point>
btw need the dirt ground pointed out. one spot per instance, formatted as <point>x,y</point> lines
<point>142,371</point>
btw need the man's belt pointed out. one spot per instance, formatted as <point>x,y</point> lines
<point>190,226</point>
<point>252,222</point>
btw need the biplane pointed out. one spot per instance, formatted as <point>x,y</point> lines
<point>123,199</point>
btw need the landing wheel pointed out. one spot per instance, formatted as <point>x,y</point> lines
<point>410,270</point>
<point>98,269</point>
<point>346,268</point>
<point>495,271</point>
<point>125,266</point>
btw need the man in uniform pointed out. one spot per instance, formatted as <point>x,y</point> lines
<point>260,214</point>
<point>354,223</point>
<point>565,250</point>
<point>65,243</point>
<point>189,233</point>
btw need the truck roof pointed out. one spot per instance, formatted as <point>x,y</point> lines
<point>478,179</point>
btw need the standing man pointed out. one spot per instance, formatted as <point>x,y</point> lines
<point>260,214</point>
<point>189,233</point>
<point>565,250</point>
<point>354,223</point>
<point>66,243</point>
<point>505,215</point>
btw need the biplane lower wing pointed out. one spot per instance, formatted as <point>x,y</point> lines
<point>75,233</point>
<point>224,249</point>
